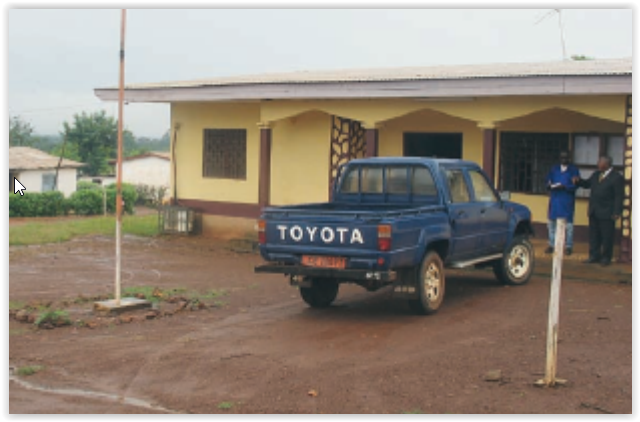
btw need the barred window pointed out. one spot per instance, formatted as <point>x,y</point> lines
<point>526,158</point>
<point>589,147</point>
<point>225,154</point>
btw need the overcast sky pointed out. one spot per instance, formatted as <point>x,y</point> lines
<point>57,57</point>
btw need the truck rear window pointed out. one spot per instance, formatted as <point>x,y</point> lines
<point>399,180</point>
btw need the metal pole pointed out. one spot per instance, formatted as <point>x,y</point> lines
<point>554,308</point>
<point>119,171</point>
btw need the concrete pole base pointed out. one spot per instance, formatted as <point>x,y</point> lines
<point>126,304</point>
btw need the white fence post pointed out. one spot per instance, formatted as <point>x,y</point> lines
<point>554,308</point>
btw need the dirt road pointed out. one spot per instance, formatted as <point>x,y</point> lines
<point>264,351</point>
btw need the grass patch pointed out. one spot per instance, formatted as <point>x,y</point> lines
<point>413,412</point>
<point>146,291</point>
<point>16,305</point>
<point>226,405</point>
<point>56,318</point>
<point>32,233</point>
<point>151,293</point>
<point>209,294</point>
<point>29,370</point>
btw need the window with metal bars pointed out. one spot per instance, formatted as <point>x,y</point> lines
<point>589,147</point>
<point>225,154</point>
<point>526,158</point>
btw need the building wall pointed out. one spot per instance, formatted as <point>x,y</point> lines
<point>32,180</point>
<point>300,159</point>
<point>153,171</point>
<point>301,132</point>
<point>192,119</point>
<point>391,135</point>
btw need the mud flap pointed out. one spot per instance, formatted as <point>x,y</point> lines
<point>406,286</point>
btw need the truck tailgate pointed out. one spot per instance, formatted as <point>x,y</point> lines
<point>325,236</point>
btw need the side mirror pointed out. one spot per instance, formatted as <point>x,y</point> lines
<point>505,195</point>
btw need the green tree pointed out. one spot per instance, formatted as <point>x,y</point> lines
<point>70,151</point>
<point>94,138</point>
<point>132,146</point>
<point>20,133</point>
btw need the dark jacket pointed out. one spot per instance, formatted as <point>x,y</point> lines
<point>606,195</point>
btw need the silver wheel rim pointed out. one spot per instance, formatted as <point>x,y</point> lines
<point>432,282</point>
<point>519,261</point>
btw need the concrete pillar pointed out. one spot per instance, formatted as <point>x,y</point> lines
<point>264,183</point>
<point>371,142</point>
<point>626,241</point>
<point>488,149</point>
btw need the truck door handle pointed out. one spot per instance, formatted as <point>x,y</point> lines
<point>461,214</point>
<point>482,210</point>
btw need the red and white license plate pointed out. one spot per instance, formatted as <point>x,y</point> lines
<point>324,261</point>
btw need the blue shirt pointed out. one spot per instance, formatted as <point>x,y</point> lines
<point>562,203</point>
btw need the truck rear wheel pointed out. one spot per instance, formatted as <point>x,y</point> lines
<point>516,266</point>
<point>431,282</point>
<point>321,294</point>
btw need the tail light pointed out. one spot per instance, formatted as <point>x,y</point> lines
<point>261,226</point>
<point>384,238</point>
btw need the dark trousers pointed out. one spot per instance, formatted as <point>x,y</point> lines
<point>601,238</point>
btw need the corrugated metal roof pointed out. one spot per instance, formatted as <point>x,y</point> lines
<point>26,158</point>
<point>504,70</point>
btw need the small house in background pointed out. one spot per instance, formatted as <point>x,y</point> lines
<point>104,180</point>
<point>36,170</point>
<point>150,168</point>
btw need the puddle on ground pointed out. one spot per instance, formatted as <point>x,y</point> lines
<point>89,394</point>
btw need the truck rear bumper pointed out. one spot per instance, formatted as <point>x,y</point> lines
<point>351,275</point>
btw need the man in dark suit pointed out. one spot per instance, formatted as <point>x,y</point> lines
<point>605,207</point>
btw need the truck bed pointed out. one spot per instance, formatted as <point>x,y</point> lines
<point>346,209</point>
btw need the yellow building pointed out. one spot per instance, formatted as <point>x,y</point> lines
<point>242,143</point>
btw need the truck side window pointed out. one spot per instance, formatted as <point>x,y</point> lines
<point>481,188</point>
<point>397,180</point>
<point>371,180</point>
<point>423,183</point>
<point>350,182</point>
<point>457,186</point>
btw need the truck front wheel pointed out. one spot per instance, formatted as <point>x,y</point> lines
<point>431,284</point>
<point>321,294</point>
<point>516,266</point>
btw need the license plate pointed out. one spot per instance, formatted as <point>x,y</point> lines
<point>324,261</point>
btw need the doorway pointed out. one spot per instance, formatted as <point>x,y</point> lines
<point>433,145</point>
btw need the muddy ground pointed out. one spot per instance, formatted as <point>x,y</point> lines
<point>261,350</point>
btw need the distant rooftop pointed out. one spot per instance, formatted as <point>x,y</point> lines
<point>27,158</point>
<point>157,154</point>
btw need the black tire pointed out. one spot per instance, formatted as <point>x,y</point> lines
<point>321,294</point>
<point>431,285</point>
<point>516,266</point>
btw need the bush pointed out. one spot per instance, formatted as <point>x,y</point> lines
<point>46,204</point>
<point>129,196</point>
<point>150,196</point>
<point>87,202</point>
<point>84,185</point>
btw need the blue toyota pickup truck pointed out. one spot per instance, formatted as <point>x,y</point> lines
<point>401,222</point>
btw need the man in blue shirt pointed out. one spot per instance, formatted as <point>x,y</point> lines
<point>562,201</point>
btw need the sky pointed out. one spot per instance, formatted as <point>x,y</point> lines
<point>56,57</point>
